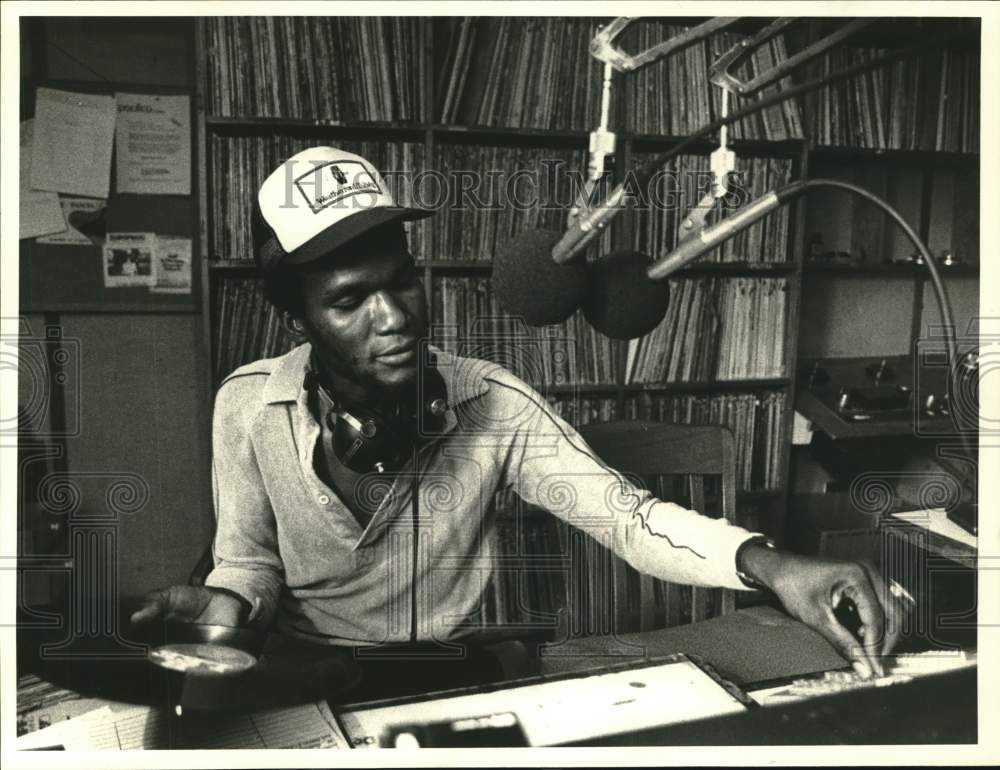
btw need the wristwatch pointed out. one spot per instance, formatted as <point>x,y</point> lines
<point>742,573</point>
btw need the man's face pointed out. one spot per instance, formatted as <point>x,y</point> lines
<point>364,316</point>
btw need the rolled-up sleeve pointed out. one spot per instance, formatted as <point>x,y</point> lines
<point>551,466</point>
<point>245,549</point>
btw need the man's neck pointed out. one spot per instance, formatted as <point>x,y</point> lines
<point>347,392</point>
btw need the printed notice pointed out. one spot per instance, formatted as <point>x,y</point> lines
<point>71,152</point>
<point>128,259</point>
<point>153,144</point>
<point>39,211</point>
<point>75,211</point>
<point>172,266</point>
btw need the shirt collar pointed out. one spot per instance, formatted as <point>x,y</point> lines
<point>465,378</point>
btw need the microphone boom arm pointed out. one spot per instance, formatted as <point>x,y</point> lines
<point>696,246</point>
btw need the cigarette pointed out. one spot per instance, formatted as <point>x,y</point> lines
<point>901,593</point>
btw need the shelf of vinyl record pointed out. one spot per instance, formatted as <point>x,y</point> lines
<point>501,72</point>
<point>509,93</point>
<point>536,73</point>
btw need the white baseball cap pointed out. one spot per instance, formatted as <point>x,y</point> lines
<point>317,201</point>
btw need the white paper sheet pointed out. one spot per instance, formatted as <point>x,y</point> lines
<point>937,521</point>
<point>39,212</point>
<point>128,259</point>
<point>72,236</point>
<point>153,144</point>
<point>123,727</point>
<point>71,152</point>
<point>172,266</point>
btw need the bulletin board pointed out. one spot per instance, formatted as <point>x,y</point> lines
<point>70,278</point>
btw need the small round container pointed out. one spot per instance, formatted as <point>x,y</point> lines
<point>203,649</point>
<point>206,664</point>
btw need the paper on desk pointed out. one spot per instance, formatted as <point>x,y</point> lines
<point>46,738</point>
<point>71,152</point>
<point>937,521</point>
<point>309,726</point>
<point>153,144</point>
<point>124,728</point>
<point>43,716</point>
<point>39,212</point>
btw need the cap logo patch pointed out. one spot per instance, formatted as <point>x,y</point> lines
<point>330,183</point>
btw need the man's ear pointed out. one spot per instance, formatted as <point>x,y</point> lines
<point>294,326</point>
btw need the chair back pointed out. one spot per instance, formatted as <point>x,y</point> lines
<point>606,595</point>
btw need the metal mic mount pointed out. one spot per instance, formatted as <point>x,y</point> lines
<point>585,223</point>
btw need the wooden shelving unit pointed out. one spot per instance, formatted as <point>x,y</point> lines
<point>804,155</point>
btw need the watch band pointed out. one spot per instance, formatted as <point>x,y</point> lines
<point>750,580</point>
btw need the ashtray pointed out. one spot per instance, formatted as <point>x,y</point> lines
<point>203,649</point>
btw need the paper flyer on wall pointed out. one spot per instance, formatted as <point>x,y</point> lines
<point>72,210</point>
<point>71,152</point>
<point>39,211</point>
<point>153,144</point>
<point>128,259</point>
<point>172,266</point>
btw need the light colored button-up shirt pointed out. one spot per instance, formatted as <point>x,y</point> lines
<point>285,538</point>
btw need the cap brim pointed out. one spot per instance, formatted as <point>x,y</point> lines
<point>348,229</point>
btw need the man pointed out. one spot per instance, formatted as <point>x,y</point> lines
<point>336,538</point>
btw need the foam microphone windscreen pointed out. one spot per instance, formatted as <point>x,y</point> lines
<point>622,302</point>
<point>529,283</point>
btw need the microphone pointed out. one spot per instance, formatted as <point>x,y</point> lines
<point>529,284</point>
<point>587,226</point>
<point>623,303</point>
<point>710,237</point>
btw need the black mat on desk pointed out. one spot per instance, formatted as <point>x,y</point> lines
<point>752,645</point>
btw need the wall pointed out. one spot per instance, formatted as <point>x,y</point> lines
<point>142,383</point>
<point>847,316</point>
<point>870,315</point>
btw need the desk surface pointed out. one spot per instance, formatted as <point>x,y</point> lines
<point>748,646</point>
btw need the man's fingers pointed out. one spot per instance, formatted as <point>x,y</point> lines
<point>863,594</point>
<point>845,643</point>
<point>153,605</point>
<point>892,610</point>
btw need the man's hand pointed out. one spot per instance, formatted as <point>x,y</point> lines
<point>812,588</point>
<point>190,604</point>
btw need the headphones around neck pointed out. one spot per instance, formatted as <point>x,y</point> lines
<point>366,441</point>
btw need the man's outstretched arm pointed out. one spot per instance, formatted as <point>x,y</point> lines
<point>550,465</point>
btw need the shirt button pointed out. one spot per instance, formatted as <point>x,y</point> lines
<point>324,499</point>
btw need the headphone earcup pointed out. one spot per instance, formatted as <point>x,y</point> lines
<point>365,442</point>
